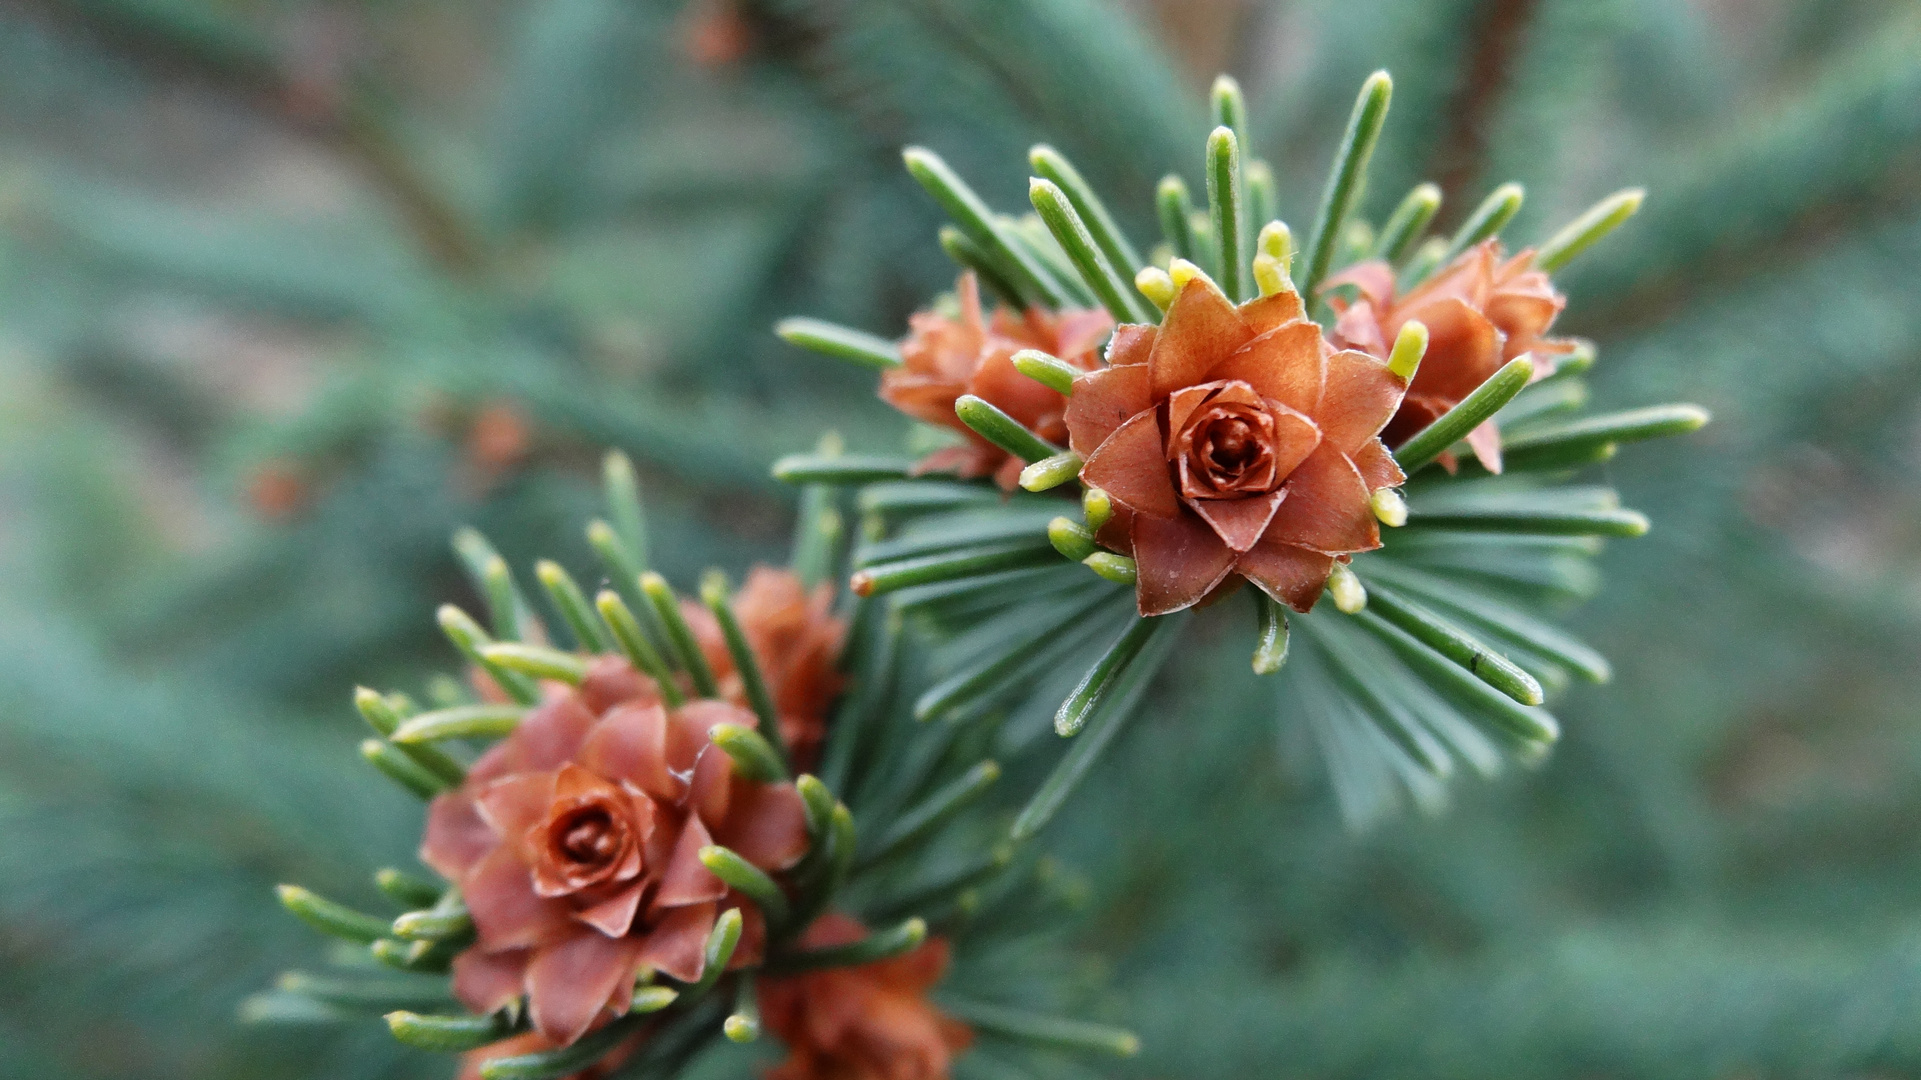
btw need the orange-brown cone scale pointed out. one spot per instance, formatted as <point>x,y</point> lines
<point>575,844</point>
<point>796,639</point>
<point>871,1022</point>
<point>1236,443</point>
<point>946,357</point>
<point>1481,311</point>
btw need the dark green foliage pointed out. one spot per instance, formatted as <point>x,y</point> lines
<point>1714,874</point>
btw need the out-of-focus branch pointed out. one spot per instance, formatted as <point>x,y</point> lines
<point>362,132</point>
<point>349,116</point>
<point>1784,180</point>
<point>1462,150</point>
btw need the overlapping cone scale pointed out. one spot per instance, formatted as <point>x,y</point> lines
<point>947,356</point>
<point>796,639</point>
<point>1237,444</point>
<point>1481,311</point>
<point>575,842</point>
<point>870,1022</point>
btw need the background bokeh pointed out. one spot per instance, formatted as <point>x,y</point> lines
<point>289,290</point>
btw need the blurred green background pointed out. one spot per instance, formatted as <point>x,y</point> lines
<point>289,290</point>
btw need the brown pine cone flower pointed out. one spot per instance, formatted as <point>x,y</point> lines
<point>1481,311</point>
<point>278,490</point>
<point>871,1022</point>
<point>575,842</point>
<point>499,439</point>
<point>1238,444</point>
<point>796,640</point>
<point>944,358</point>
<point>716,33</point>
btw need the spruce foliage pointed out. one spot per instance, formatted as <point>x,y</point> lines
<point>482,244</point>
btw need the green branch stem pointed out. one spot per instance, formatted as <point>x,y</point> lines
<point>1176,210</point>
<point>1487,220</point>
<point>920,822</point>
<point>1349,176</point>
<point>841,468</point>
<point>876,946</point>
<point>949,566</point>
<point>1455,643</point>
<point>680,636</point>
<point>714,593</point>
<point>841,342</point>
<point>448,1034</point>
<point>1055,167</point>
<point>1430,442</point>
<point>461,722</point>
<point>1026,1026</point>
<point>634,643</point>
<point>537,661</point>
<point>1011,260</point>
<point>470,639</point>
<point>990,423</point>
<point>1408,223</point>
<point>1101,728</point>
<point>1593,223</point>
<point>1225,210</point>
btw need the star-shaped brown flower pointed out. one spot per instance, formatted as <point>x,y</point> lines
<point>796,639</point>
<point>575,842</point>
<point>945,357</point>
<point>1481,311</point>
<point>1238,444</point>
<point>870,1022</point>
